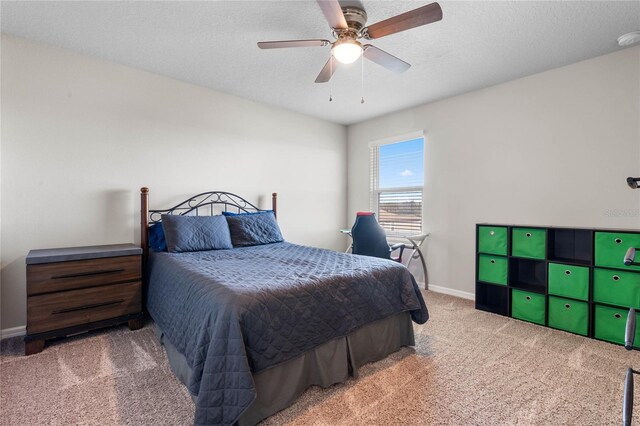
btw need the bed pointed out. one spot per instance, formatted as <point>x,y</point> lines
<point>248,329</point>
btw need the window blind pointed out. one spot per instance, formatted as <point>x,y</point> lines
<point>396,183</point>
<point>400,212</point>
<point>374,156</point>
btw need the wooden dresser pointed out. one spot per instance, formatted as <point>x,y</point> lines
<point>71,290</point>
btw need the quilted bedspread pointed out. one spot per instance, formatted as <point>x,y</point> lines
<point>236,312</point>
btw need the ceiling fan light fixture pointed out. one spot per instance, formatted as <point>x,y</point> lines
<point>346,51</point>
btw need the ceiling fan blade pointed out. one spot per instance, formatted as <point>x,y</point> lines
<point>292,43</point>
<point>333,13</point>
<point>385,59</point>
<point>327,71</point>
<point>415,18</point>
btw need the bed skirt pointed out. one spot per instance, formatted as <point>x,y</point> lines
<point>330,363</point>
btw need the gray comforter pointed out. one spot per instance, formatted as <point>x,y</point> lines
<point>236,312</point>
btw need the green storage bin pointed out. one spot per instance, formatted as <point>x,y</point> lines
<point>612,246</point>
<point>610,324</point>
<point>530,243</point>
<point>569,315</point>
<point>492,240</point>
<point>492,269</point>
<point>569,281</point>
<point>528,306</point>
<point>621,288</point>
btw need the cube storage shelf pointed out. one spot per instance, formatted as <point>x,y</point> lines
<point>571,279</point>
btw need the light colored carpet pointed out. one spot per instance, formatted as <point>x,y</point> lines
<point>468,368</point>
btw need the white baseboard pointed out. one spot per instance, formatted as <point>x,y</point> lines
<point>452,292</point>
<point>13,332</point>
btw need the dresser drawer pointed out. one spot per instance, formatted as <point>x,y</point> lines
<point>611,248</point>
<point>610,324</point>
<point>492,240</point>
<point>530,243</point>
<point>51,277</point>
<point>569,315</point>
<point>528,306</point>
<point>48,312</point>
<point>620,288</point>
<point>492,269</point>
<point>569,281</point>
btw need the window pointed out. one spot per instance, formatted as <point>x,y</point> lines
<point>397,179</point>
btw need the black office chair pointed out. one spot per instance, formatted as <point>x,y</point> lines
<point>369,238</point>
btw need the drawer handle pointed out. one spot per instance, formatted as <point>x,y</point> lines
<point>568,272</point>
<point>88,274</point>
<point>492,233</point>
<point>528,297</point>
<point>528,234</point>
<point>568,306</point>
<point>618,240</point>
<point>615,278</point>
<point>81,308</point>
<point>618,316</point>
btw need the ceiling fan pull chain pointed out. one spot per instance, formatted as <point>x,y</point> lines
<point>361,79</point>
<point>330,74</point>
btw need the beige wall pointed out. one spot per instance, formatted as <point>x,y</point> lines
<point>550,149</point>
<point>80,136</point>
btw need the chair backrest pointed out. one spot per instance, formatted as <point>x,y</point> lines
<point>369,238</point>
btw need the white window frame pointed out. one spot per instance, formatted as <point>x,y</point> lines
<point>374,181</point>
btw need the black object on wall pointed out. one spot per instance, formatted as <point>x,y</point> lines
<point>633,182</point>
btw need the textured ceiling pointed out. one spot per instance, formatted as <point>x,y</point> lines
<point>213,44</point>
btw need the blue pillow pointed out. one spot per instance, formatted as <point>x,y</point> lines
<point>254,229</point>
<point>196,233</point>
<point>157,241</point>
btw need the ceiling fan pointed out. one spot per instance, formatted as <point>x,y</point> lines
<point>348,26</point>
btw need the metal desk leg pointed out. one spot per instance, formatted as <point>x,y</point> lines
<point>424,264</point>
<point>416,248</point>
<point>424,270</point>
<point>348,232</point>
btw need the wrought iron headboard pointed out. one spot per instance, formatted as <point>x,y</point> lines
<point>201,204</point>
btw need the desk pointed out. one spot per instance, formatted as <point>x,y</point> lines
<point>347,232</point>
<point>416,242</point>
